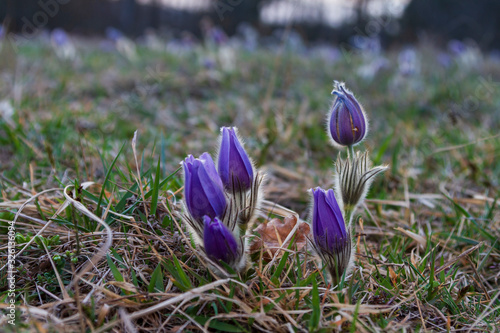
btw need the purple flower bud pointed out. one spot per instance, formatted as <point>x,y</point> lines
<point>332,239</point>
<point>329,230</point>
<point>203,190</point>
<point>347,123</point>
<point>219,242</point>
<point>235,168</point>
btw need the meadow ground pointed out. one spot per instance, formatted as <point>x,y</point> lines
<point>427,249</point>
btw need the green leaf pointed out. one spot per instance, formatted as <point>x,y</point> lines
<point>281,265</point>
<point>180,279</point>
<point>481,264</point>
<point>108,174</point>
<point>382,148</point>
<point>395,157</point>
<point>116,273</point>
<point>156,281</point>
<point>182,274</point>
<point>156,189</point>
<point>163,182</point>
<point>121,204</point>
<point>268,307</point>
<point>118,258</point>
<point>355,317</point>
<point>218,325</point>
<point>316,308</point>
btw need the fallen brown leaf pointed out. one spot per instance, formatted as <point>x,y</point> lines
<point>273,233</point>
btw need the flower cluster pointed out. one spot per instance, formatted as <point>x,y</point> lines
<point>221,199</point>
<point>332,217</point>
<point>220,203</point>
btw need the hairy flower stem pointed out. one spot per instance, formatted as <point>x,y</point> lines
<point>348,214</point>
<point>351,151</point>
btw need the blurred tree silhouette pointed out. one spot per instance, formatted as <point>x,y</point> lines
<point>230,13</point>
<point>439,19</point>
<point>478,20</point>
<point>127,17</point>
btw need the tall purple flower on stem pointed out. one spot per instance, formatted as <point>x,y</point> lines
<point>235,167</point>
<point>347,123</point>
<point>219,242</point>
<point>331,237</point>
<point>203,189</point>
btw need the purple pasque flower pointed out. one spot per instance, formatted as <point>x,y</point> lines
<point>331,237</point>
<point>219,242</point>
<point>235,167</point>
<point>347,123</point>
<point>329,229</point>
<point>203,189</point>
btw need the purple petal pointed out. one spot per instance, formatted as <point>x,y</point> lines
<point>345,126</point>
<point>213,192</point>
<point>203,191</point>
<point>328,223</point>
<point>219,242</point>
<point>339,219</point>
<point>210,168</point>
<point>235,168</point>
<point>224,156</point>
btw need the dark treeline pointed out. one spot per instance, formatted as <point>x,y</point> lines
<point>91,17</point>
<point>478,20</point>
<point>439,19</point>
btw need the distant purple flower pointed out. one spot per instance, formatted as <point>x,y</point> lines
<point>444,59</point>
<point>249,35</point>
<point>371,68</point>
<point>219,242</point>
<point>456,47</point>
<point>347,124</point>
<point>2,32</point>
<point>235,167</point>
<point>328,223</point>
<point>333,54</point>
<point>369,45</point>
<point>59,37</point>
<point>203,189</point>
<point>113,34</point>
<point>328,53</point>
<point>217,36</point>
<point>208,63</point>
<point>408,62</point>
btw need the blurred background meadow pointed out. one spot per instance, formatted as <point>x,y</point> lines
<point>101,100</point>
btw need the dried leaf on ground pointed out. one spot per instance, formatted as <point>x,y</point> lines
<point>275,232</point>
